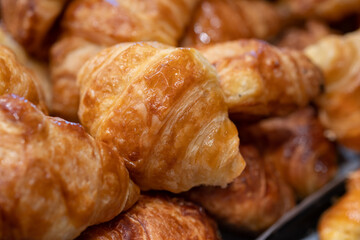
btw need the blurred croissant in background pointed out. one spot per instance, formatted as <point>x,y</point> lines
<point>339,59</point>
<point>89,26</point>
<point>321,9</point>
<point>225,20</point>
<point>163,110</point>
<point>17,79</point>
<point>39,68</point>
<point>67,57</point>
<point>253,201</point>
<point>342,220</point>
<point>56,180</point>
<point>157,217</point>
<point>31,22</point>
<point>262,80</point>
<point>301,37</point>
<point>296,146</point>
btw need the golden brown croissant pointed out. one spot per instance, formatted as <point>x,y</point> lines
<point>297,147</point>
<point>254,201</point>
<point>325,9</point>
<point>300,38</point>
<point>67,57</point>
<point>110,22</point>
<point>39,68</point>
<point>339,59</point>
<point>224,20</point>
<point>17,79</point>
<point>163,110</point>
<point>56,180</point>
<point>260,80</point>
<point>157,217</point>
<point>30,21</point>
<point>342,220</point>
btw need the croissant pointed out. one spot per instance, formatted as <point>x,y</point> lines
<point>300,38</point>
<point>342,221</point>
<point>157,217</point>
<point>110,22</point>
<point>56,180</point>
<point>17,79</point>
<point>224,20</point>
<point>163,110</point>
<point>298,149</point>
<point>339,59</point>
<point>253,201</point>
<point>325,9</point>
<point>261,80</point>
<point>89,26</point>
<point>67,57</point>
<point>39,68</point>
<point>30,22</point>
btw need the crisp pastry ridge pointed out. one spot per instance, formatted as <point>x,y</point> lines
<point>56,180</point>
<point>162,109</point>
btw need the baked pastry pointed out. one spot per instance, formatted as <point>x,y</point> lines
<point>67,57</point>
<point>339,59</point>
<point>30,22</point>
<point>17,79</point>
<point>163,110</point>
<point>298,149</point>
<point>56,180</point>
<point>39,68</point>
<point>324,9</point>
<point>224,20</point>
<point>262,80</point>
<point>91,25</point>
<point>300,38</point>
<point>342,221</point>
<point>110,22</point>
<point>157,217</point>
<point>253,201</point>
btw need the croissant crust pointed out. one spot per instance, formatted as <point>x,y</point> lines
<point>56,180</point>
<point>163,110</point>
<point>156,217</point>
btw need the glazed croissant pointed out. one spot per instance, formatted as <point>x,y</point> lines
<point>110,22</point>
<point>157,217</point>
<point>30,22</point>
<point>298,149</point>
<point>261,80</point>
<point>17,79</point>
<point>224,20</point>
<point>56,180</point>
<point>300,38</point>
<point>339,59</point>
<point>253,201</point>
<point>163,110</point>
<point>67,57</point>
<point>324,9</point>
<point>89,26</point>
<point>39,68</point>
<point>342,220</point>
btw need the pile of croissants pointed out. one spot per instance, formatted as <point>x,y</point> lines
<point>155,119</point>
